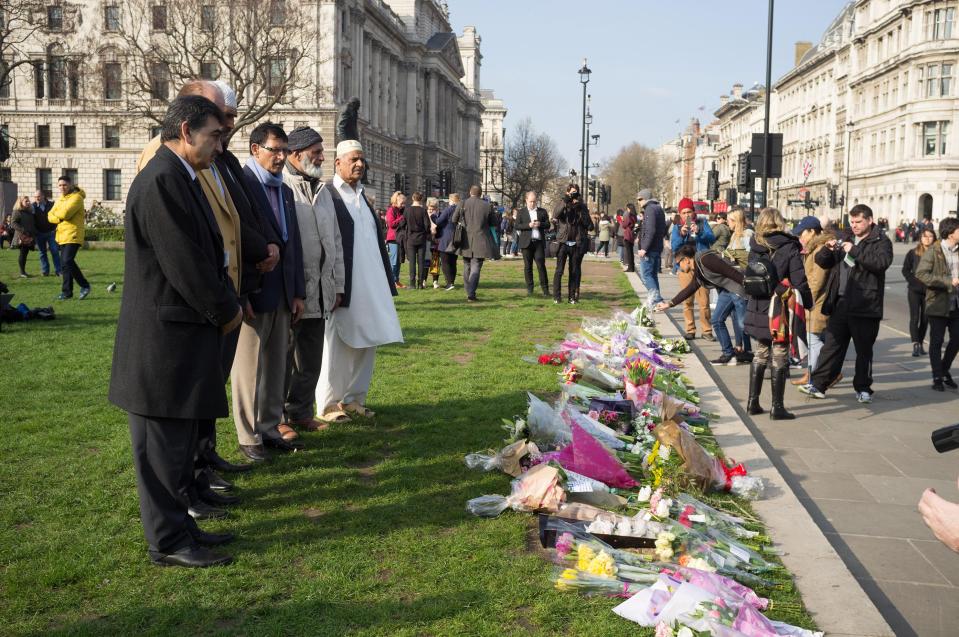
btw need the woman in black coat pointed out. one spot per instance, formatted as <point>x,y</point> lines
<point>24,222</point>
<point>917,292</point>
<point>772,241</point>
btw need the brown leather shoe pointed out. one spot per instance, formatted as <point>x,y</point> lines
<point>287,432</point>
<point>801,381</point>
<point>310,424</point>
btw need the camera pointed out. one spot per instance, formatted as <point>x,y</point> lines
<point>946,438</point>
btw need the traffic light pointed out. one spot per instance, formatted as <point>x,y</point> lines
<point>832,197</point>
<point>712,185</point>
<point>807,198</point>
<point>607,195</point>
<point>592,189</point>
<point>443,183</point>
<point>731,196</point>
<point>742,172</point>
<point>397,182</point>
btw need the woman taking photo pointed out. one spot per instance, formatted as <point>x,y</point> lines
<point>729,303</point>
<point>939,271</point>
<point>395,223</point>
<point>917,292</point>
<point>771,241</point>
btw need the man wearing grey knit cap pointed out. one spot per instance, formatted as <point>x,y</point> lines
<point>323,271</point>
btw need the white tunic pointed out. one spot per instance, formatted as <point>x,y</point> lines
<point>371,318</point>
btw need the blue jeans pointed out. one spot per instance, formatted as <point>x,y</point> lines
<point>394,252</point>
<point>649,273</point>
<point>47,240</point>
<point>814,341</point>
<point>728,303</point>
<point>471,275</point>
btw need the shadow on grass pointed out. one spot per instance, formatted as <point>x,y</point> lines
<point>315,617</point>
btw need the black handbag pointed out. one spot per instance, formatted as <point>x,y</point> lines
<point>459,235</point>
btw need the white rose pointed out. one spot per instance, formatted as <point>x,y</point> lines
<point>645,493</point>
<point>685,632</point>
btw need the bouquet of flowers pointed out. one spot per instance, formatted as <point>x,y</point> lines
<point>554,358</point>
<point>536,490</point>
<point>677,345</point>
<point>589,457</point>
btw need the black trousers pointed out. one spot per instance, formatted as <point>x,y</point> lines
<point>571,254</point>
<point>629,258</point>
<point>576,276</point>
<point>206,427</point>
<point>69,268</point>
<point>163,459</point>
<point>941,363</point>
<point>417,254</point>
<point>22,258</point>
<point>917,316</point>
<point>840,329</point>
<point>304,363</point>
<point>448,265</point>
<point>535,253</point>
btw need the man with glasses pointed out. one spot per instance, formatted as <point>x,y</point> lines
<point>259,369</point>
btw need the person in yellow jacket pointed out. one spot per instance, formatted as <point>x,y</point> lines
<point>68,215</point>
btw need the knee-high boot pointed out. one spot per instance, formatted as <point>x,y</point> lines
<point>778,411</point>
<point>757,376</point>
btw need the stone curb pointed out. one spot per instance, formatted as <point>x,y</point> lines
<point>831,594</point>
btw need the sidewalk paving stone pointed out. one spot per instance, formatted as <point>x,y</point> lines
<point>859,471</point>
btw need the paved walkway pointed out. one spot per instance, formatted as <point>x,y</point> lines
<point>860,469</point>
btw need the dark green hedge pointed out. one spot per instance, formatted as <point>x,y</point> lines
<point>104,234</point>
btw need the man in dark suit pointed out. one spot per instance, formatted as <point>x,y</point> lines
<point>177,304</point>
<point>532,223</point>
<point>259,368</point>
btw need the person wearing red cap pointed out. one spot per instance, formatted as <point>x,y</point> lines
<point>698,233</point>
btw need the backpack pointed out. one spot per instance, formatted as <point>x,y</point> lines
<point>714,280</point>
<point>760,278</point>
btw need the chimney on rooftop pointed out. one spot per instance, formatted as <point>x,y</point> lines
<point>802,48</point>
<point>737,91</point>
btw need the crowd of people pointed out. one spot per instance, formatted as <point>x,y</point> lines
<point>55,230</point>
<point>254,272</point>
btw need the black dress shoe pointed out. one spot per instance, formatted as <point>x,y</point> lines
<point>216,482</point>
<point>947,380</point>
<point>282,445</point>
<point>211,539</point>
<point>193,557</point>
<point>256,453</point>
<point>219,464</point>
<point>200,510</point>
<point>215,499</point>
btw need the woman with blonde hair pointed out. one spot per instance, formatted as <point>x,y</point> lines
<point>729,303</point>
<point>772,245</point>
<point>396,224</point>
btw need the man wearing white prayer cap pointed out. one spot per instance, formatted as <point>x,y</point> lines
<point>366,317</point>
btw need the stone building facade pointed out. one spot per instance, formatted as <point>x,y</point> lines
<point>418,82</point>
<point>492,145</point>
<point>869,111</point>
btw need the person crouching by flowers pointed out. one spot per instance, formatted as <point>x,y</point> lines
<point>709,269</point>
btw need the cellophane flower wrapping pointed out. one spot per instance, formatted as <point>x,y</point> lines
<point>588,456</point>
<point>546,428</point>
<point>596,429</point>
<point>537,490</point>
<point>509,460</point>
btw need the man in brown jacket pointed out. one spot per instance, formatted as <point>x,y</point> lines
<point>813,238</point>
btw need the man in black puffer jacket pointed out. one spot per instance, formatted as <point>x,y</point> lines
<point>854,301</point>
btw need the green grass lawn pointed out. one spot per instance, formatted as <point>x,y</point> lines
<point>363,533</point>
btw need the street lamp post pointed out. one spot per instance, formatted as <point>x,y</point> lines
<point>584,79</point>
<point>769,66</point>
<point>845,195</point>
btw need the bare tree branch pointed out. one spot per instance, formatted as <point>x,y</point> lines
<point>531,162</point>
<point>633,168</point>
